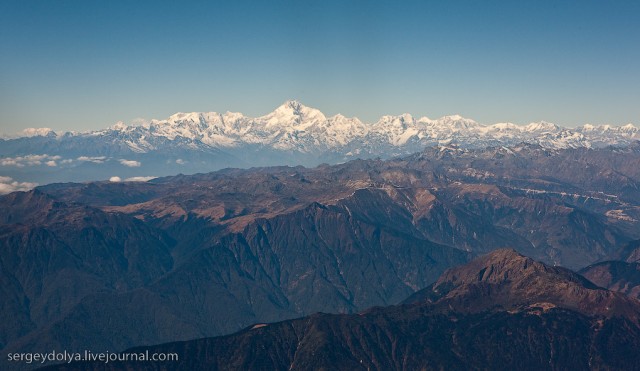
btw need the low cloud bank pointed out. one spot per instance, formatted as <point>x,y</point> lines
<point>8,185</point>
<point>130,163</point>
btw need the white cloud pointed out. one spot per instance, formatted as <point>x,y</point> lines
<point>95,159</point>
<point>140,178</point>
<point>180,161</point>
<point>115,179</point>
<point>28,160</point>
<point>51,163</point>
<point>10,162</point>
<point>33,159</point>
<point>130,163</point>
<point>8,185</point>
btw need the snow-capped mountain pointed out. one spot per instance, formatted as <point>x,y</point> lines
<point>295,127</point>
<point>292,134</point>
<point>298,128</point>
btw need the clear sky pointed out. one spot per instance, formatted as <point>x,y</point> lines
<point>85,64</point>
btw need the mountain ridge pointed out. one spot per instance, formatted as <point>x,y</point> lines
<point>293,134</point>
<point>266,244</point>
<point>495,279</point>
<point>224,129</point>
<point>524,333</point>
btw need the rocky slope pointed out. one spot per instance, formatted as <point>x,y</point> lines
<point>504,279</point>
<point>630,253</point>
<point>54,254</point>
<point>74,283</point>
<point>616,276</point>
<point>184,257</point>
<point>569,207</point>
<point>502,311</point>
<point>621,273</point>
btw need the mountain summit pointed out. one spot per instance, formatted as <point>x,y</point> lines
<point>425,131</point>
<point>505,279</point>
<point>293,134</point>
<point>293,113</point>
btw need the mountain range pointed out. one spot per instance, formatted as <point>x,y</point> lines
<point>293,134</point>
<point>502,311</point>
<point>143,259</point>
<point>111,265</point>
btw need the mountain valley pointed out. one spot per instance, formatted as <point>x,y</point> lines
<point>501,311</point>
<point>185,257</point>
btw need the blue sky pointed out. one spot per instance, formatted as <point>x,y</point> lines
<point>80,65</point>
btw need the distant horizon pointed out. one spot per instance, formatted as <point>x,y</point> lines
<point>85,65</point>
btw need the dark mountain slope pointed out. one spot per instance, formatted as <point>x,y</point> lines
<point>319,258</point>
<point>54,254</point>
<point>267,244</point>
<point>504,279</point>
<point>621,273</point>
<point>616,276</point>
<point>565,207</point>
<point>629,253</point>
<point>575,326</point>
<point>313,259</point>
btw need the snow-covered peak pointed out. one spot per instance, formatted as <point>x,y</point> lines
<point>629,128</point>
<point>232,116</point>
<point>292,113</point>
<point>406,117</point>
<point>425,120</point>
<point>339,117</point>
<point>457,122</point>
<point>597,128</point>
<point>341,120</point>
<point>452,118</point>
<point>36,132</point>
<point>295,127</point>
<point>186,116</point>
<point>292,104</point>
<point>120,125</point>
<point>541,126</point>
<point>504,126</point>
<point>502,130</point>
<point>398,120</point>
